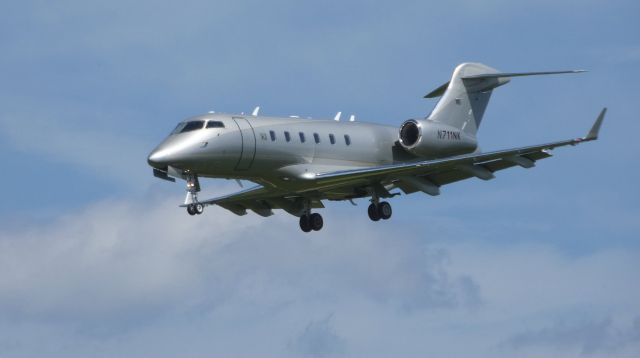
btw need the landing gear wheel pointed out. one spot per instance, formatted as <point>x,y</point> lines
<point>384,210</point>
<point>374,215</point>
<point>305,223</point>
<point>198,208</point>
<point>191,209</point>
<point>315,221</point>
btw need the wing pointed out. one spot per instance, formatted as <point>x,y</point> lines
<point>262,200</point>
<point>428,176</point>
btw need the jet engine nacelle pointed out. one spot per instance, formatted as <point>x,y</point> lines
<point>426,138</point>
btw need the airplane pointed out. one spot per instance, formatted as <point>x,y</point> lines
<point>298,163</point>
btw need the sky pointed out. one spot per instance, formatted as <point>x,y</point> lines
<point>96,258</point>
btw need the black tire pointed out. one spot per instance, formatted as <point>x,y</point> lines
<point>316,222</point>
<point>374,215</point>
<point>384,210</point>
<point>198,208</point>
<point>305,224</point>
<point>191,209</point>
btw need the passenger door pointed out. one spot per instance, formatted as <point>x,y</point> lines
<point>248,152</point>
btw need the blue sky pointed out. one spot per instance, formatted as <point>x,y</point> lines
<point>96,258</point>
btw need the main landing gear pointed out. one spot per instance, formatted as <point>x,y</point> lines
<point>310,222</point>
<point>381,210</point>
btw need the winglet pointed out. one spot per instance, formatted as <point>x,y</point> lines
<point>595,129</point>
<point>255,111</point>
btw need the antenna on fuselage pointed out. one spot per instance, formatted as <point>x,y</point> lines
<point>255,111</point>
<point>352,118</point>
<point>337,117</point>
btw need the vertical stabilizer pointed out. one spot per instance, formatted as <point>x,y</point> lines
<point>466,95</point>
<point>464,98</point>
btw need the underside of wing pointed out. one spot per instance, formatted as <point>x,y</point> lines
<point>431,182</point>
<point>262,200</point>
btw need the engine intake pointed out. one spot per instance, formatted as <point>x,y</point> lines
<point>409,133</point>
<point>430,139</point>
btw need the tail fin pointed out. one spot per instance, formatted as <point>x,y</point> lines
<point>466,95</point>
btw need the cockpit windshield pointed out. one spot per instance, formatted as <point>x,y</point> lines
<point>188,126</point>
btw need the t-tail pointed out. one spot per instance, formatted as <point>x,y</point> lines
<point>465,97</point>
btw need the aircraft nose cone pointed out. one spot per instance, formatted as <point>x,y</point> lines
<point>157,160</point>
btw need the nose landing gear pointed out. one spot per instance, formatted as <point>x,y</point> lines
<point>195,209</point>
<point>193,187</point>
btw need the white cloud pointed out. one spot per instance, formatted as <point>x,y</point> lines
<point>122,277</point>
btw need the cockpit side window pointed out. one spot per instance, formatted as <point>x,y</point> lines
<point>192,126</point>
<point>179,127</point>
<point>215,124</point>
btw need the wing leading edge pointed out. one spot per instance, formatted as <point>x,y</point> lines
<point>481,165</point>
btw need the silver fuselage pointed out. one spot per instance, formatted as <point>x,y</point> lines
<point>257,148</point>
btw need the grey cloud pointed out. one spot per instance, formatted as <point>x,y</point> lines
<point>319,339</point>
<point>589,337</point>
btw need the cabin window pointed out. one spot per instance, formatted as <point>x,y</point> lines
<point>301,137</point>
<point>273,135</point>
<point>215,124</point>
<point>332,139</point>
<point>316,137</point>
<point>347,139</point>
<point>287,136</point>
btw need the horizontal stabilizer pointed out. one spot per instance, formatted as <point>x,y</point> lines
<point>518,74</point>
<point>475,80</point>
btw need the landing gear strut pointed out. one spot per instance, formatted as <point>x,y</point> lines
<point>193,187</point>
